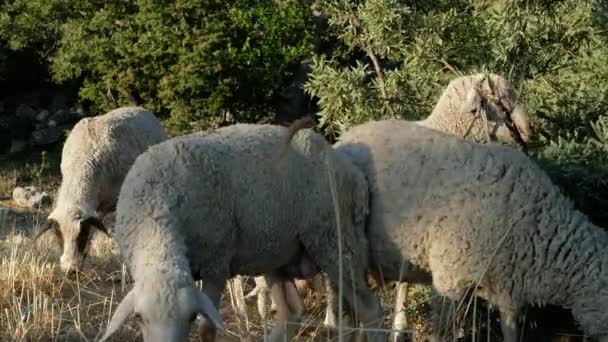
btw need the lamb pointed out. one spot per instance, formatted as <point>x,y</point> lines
<point>480,216</point>
<point>95,159</point>
<point>461,110</point>
<point>213,206</point>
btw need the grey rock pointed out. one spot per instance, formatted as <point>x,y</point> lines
<point>31,197</point>
<point>43,115</point>
<point>26,112</point>
<point>48,135</point>
<point>61,117</point>
<point>77,110</point>
<point>39,125</point>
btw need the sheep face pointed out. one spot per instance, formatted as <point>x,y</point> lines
<point>164,312</point>
<point>493,96</point>
<point>73,232</point>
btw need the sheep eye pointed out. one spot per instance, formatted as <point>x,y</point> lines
<point>138,317</point>
<point>193,317</point>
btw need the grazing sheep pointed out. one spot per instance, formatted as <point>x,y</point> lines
<point>479,216</point>
<point>461,110</point>
<point>239,200</point>
<point>478,107</point>
<point>95,159</point>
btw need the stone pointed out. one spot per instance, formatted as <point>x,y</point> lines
<point>61,117</point>
<point>77,110</point>
<point>26,112</point>
<point>43,115</point>
<point>31,197</point>
<point>48,135</point>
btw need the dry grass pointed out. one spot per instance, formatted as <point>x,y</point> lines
<point>37,303</point>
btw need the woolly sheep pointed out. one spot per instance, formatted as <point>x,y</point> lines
<point>478,216</point>
<point>95,159</point>
<point>213,206</point>
<point>460,111</point>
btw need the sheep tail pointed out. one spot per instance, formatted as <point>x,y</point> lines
<point>297,125</point>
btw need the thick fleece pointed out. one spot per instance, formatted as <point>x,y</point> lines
<point>95,159</point>
<point>217,205</point>
<point>481,216</point>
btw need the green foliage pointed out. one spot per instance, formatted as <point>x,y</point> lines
<point>193,59</point>
<point>396,58</point>
<point>579,164</point>
<point>36,171</point>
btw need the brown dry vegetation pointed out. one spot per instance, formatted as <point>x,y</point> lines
<point>37,303</point>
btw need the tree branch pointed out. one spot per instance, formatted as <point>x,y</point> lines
<point>376,63</point>
<point>381,83</point>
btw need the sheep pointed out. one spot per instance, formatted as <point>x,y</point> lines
<point>231,202</point>
<point>479,107</point>
<point>480,216</point>
<point>96,156</point>
<point>461,110</point>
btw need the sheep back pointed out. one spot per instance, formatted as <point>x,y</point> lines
<point>250,212</point>
<point>100,150</point>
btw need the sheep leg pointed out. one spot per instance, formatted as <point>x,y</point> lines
<point>358,296</point>
<point>331,316</point>
<point>290,307</point>
<point>213,288</point>
<point>508,310</point>
<point>239,302</point>
<point>400,320</point>
<point>331,311</point>
<point>444,317</point>
<point>508,324</point>
<point>262,292</point>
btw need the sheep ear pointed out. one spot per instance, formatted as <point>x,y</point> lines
<point>206,308</point>
<point>472,103</point>
<point>124,310</point>
<point>94,221</point>
<point>48,225</point>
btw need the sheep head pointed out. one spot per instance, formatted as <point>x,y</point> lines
<point>73,230</point>
<point>163,311</point>
<point>470,100</point>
